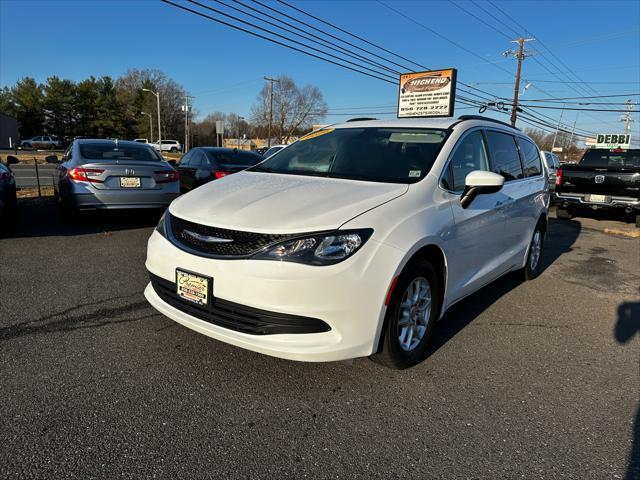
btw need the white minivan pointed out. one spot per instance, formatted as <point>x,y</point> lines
<point>354,240</point>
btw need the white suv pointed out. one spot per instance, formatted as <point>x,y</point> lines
<point>354,240</point>
<point>167,146</point>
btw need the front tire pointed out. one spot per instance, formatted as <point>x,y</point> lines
<point>411,314</point>
<point>532,268</point>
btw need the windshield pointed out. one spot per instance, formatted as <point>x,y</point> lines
<point>392,155</point>
<point>611,158</point>
<point>114,151</point>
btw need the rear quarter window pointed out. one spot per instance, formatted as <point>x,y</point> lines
<point>530,158</point>
<point>504,155</point>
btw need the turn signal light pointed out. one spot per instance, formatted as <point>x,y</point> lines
<point>559,175</point>
<point>220,174</point>
<point>164,176</point>
<point>79,174</point>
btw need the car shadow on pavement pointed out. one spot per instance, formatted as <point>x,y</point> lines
<point>561,236</point>
<point>42,218</point>
<point>627,327</point>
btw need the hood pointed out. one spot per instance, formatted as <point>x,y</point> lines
<point>274,203</point>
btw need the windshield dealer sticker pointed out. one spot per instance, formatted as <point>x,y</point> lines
<point>316,134</point>
<point>414,173</point>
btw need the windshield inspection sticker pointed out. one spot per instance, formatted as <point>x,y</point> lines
<point>317,134</point>
<point>415,173</point>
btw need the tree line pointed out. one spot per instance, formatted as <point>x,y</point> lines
<point>107,107</point>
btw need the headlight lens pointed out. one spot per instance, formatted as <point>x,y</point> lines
<point>162,225</point>
<point>321,249</point>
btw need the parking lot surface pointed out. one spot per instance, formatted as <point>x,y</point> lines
<point>524,380</point>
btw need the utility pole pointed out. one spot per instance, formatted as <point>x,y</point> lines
<point>271,81</point>
<point>573,131</point>
<point>627,117</point>
<point>557,128</point>
<point>240,119</point>
<point>185,107</point>
<point>520,54</point>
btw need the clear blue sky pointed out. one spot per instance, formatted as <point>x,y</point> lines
<point>223,68</point>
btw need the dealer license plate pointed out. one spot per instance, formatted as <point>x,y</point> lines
<point>130,182</point>
<point>192,287</point>
<point>598,198</point>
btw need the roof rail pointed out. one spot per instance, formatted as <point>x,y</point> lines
<point>462,118</point>
<point>360,119</point>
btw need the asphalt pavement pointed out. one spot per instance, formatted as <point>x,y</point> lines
<point>525,380</point>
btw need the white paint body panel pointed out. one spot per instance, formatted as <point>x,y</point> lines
<point>479,244</point>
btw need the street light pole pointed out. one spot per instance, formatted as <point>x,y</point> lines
<point>157,94</point>
<point>271,81</point>
<point>150,125</point>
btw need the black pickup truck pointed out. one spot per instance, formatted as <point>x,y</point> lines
<point>603,179</point>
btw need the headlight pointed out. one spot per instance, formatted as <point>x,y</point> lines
<point>162,225</point>
<point>321,249</point>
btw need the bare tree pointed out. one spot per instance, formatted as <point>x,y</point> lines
<point>294,109</point>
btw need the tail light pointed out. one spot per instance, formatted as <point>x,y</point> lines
<point>220,174</point>
<point>559,175</point>
<point>79,174</point>
<point>167,176</point>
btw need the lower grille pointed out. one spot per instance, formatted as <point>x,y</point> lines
<point>237,317</point>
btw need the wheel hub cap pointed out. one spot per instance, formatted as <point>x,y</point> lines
<point>414,313</point>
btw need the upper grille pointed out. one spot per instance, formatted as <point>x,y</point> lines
<point>243,244</point>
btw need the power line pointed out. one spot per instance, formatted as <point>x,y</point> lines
<point>346,32</point>
<point>236,27</point>
<point>374,44</point>
<point>331,45</point>
<point>284,37</point>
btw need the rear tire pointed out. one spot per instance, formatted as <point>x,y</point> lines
<point>413,310</point>
<point>564,213</point>
<point>638,220</point>
<point>173,150</point>
<point>534,257</point>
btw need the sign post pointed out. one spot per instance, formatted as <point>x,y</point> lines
<point>427,94</point>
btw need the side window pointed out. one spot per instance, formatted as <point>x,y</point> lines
<point>470,154</point>
<point>198,159</point>
<point>186,160</point>
<point>206,161</point>
<point>530,158</point>
<point>67,155</point>
<point>504,155</point>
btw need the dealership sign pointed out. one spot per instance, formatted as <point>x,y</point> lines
<point>612,141</point>
<point>427,94</point>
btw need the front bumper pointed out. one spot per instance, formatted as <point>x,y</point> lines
<point>583,199</point>
<point>348,297</point>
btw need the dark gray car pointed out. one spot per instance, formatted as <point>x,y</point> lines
<point>7,191</point>
<point>113,174</point>
<point>203,164</point>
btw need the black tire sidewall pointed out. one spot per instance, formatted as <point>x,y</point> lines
<point>399,357</point>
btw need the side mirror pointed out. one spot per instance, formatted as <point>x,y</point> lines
<point>11,160</point>
<point>51,159</point>
<point>480,182</point>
